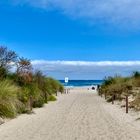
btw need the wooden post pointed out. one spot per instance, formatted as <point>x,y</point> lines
<point>31,103</point>
<point>112,99</point>
<point>126,103</point>
<point>101,94</point>
<point>105,96</point>
<point>67,91</point>
<point>46,97</point>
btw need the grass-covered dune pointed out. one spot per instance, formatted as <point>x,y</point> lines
<point>117,88</point>
<point>25,88</point>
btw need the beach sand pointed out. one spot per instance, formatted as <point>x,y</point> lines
<point>79,115</point>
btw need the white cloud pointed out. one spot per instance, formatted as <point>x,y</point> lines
<point>86,69</point>
<point>87,63</point>
<point>117,12</point>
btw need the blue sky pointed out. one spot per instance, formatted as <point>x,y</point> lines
<point>49,32</point>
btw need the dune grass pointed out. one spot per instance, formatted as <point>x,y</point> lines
<point>119,87</point>
<point>15,100</point>
<point>8,99</point>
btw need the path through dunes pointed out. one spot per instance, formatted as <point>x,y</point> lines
<point>80,115</point>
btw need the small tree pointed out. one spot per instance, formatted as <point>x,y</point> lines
<point>24,71</point>
<point>7,57</point>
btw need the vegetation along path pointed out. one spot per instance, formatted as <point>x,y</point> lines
<point>80,115</point>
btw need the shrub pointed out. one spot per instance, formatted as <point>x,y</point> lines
<point>31,92</point>
<point>51,98</point>
<point>39,102</point>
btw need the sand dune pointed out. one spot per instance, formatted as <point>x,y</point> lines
<point>80,115</point>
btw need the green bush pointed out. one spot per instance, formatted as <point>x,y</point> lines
<point>51,98</point>
<point>31,92</point>
<point>39,102</point>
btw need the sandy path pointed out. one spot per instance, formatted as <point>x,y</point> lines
<point>77,116</point>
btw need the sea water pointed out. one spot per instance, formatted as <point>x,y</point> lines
<point>79,83</point>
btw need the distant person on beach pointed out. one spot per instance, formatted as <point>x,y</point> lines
<point>93,88</point>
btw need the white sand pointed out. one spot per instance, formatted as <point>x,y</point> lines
<point>80,115</point>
